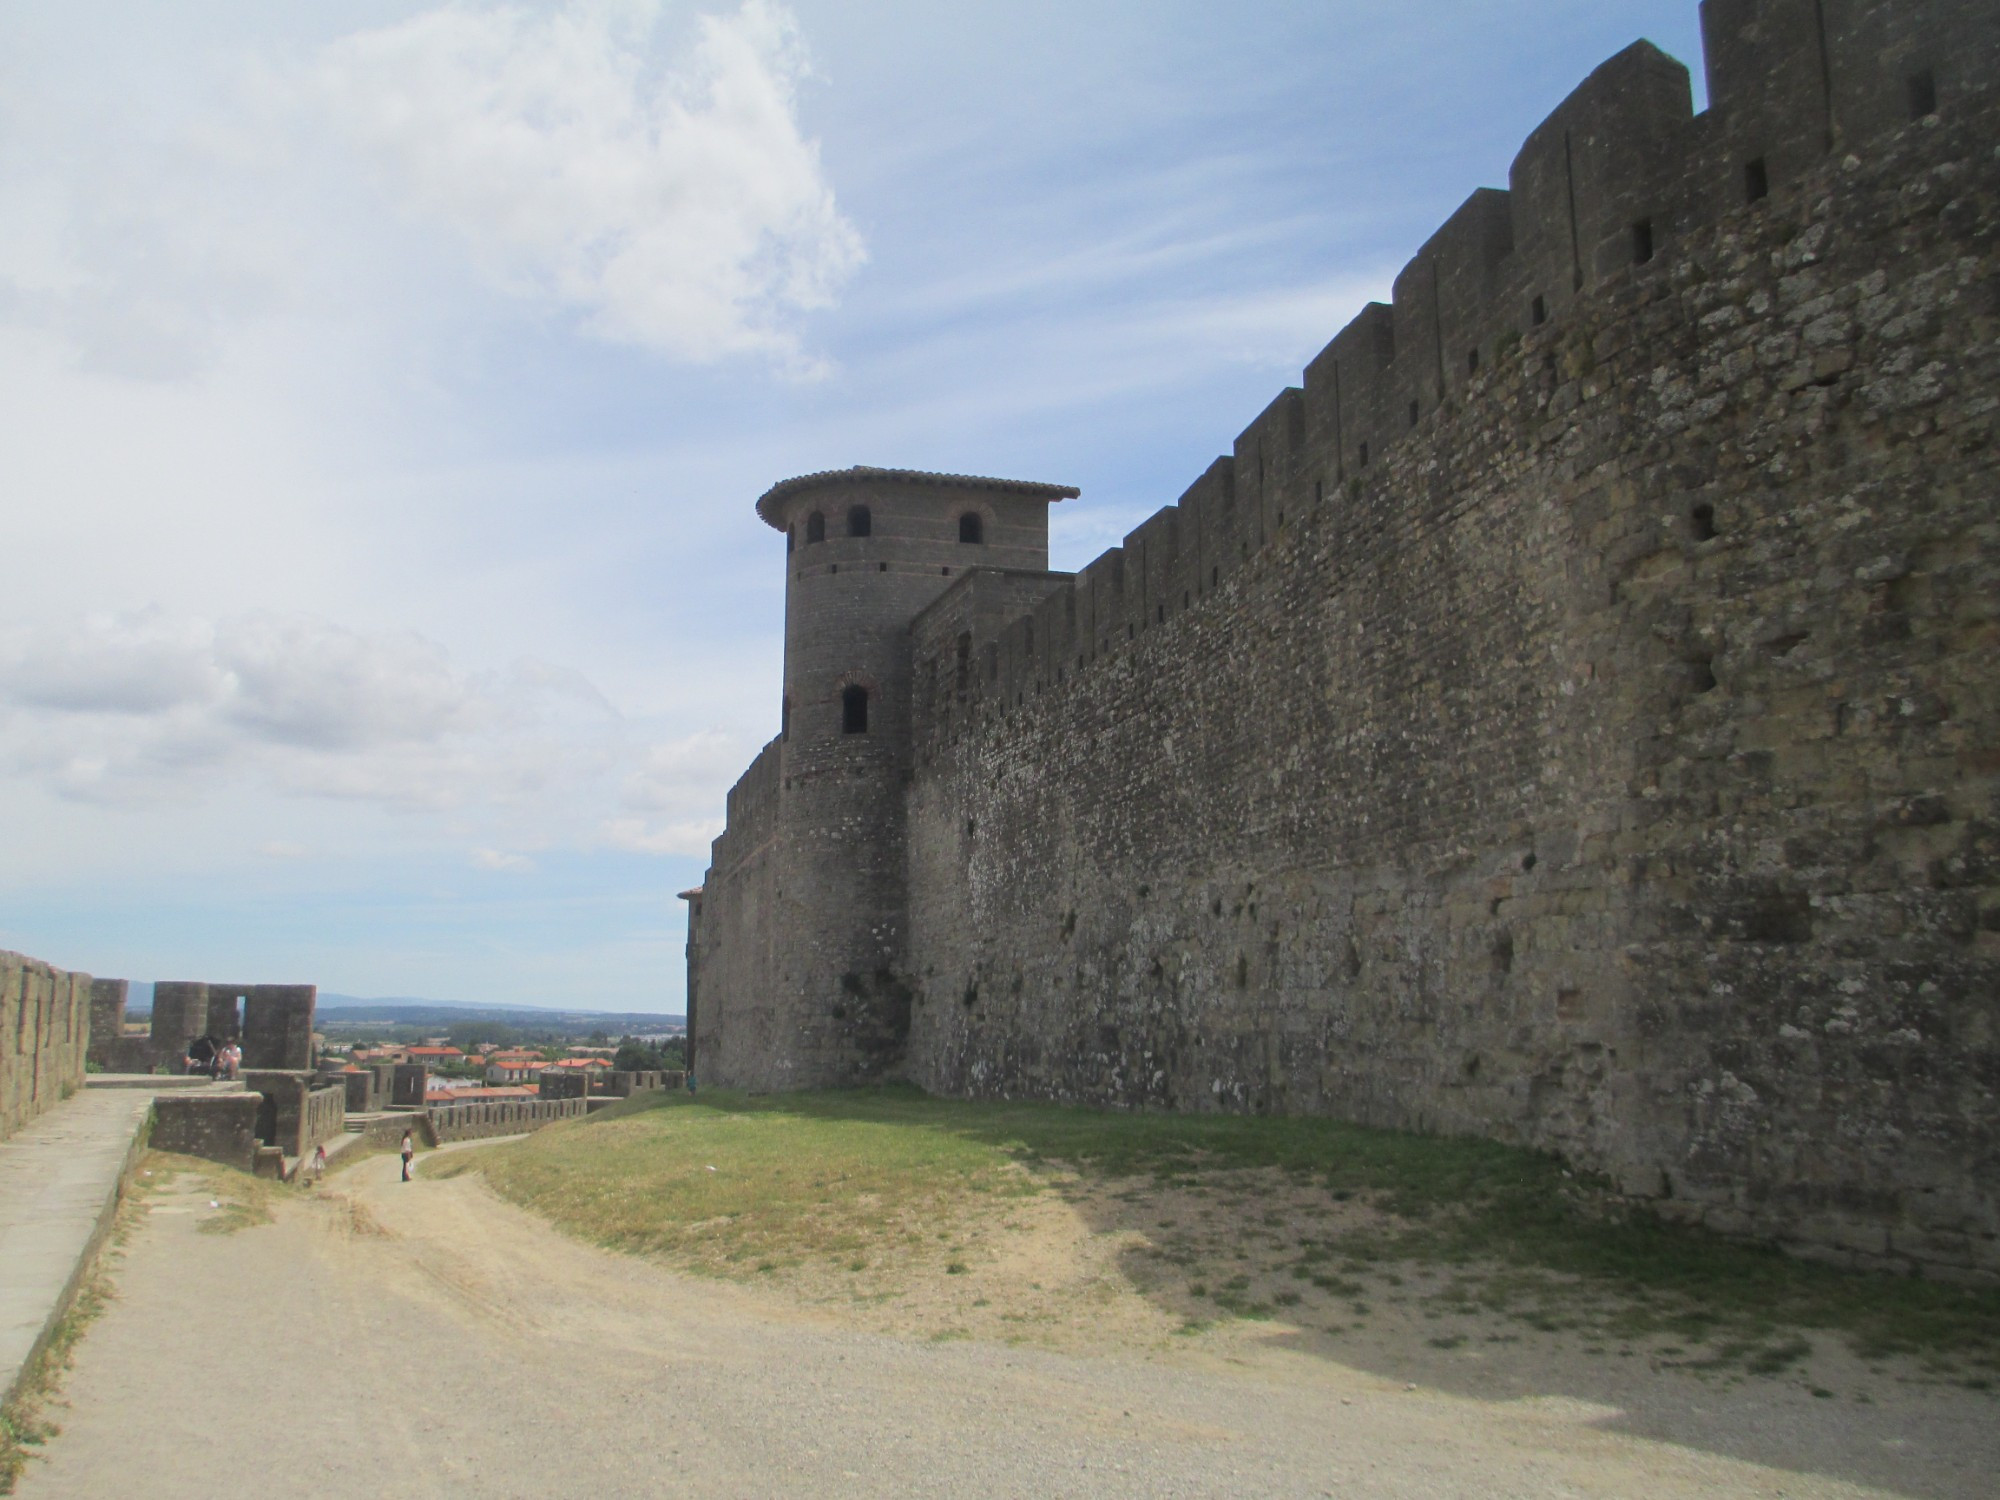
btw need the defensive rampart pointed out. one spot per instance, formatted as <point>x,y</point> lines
<point>44,1033</point>
<point>468,1122</point>
<point>1572,716</point>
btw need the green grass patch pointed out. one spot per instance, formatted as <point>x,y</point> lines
<point>727,1181</point>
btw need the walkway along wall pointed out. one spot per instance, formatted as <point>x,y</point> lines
<point>44,1034</point>
<point>1572,716</point>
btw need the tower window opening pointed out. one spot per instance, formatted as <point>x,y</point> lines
<point>815,528</point>
<point>791,539</point>
<point>1923,94</point>
<point>1701,522</point>
<point>881,567</point>
<point>1756,181</point>
<point>860,521</point>
<point>1214,577</point>
<point>1472,361</point>
<point>1414,410</point>
<point>854,709</point>
<point>1538,310</point>
<point>971,529</point>
<point>1642,242</point>
<point>1159,614</point>
<point>785,719</point>
<point>1361,458</point>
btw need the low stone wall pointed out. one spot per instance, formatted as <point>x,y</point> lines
<point>563,1083</point>
<point>216,1127</point>
<point>468,1122</point>
<point>44,1033</point>
<point>126,1054</point>
<point>625,1084</point>
<point>385,1132</point>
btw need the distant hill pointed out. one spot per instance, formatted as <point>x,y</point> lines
<point>443,1014</point>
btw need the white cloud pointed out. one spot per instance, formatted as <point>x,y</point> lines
<point>500,860</point>
<point>680,210</point>
<point>158,709</point>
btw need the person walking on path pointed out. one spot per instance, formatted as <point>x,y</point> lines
<point>319,1162</point>
<point>409,1150</point>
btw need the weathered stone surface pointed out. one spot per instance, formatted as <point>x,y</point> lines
<point>44,1036</point>
<point>1570,718</point>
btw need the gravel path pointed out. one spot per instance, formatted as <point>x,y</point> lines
<point>429,1340</point>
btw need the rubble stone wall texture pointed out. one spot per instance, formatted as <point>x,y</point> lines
<point>215,1127</point>
<point>44,1034</point>
<point>467,1122</point>
<point>1571,718</point>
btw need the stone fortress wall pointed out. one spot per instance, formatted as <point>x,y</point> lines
<point>1569,718</point>
<point>44,1032</point>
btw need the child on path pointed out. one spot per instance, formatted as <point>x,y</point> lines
<point>409,1150</point>
<point>319,1161</point>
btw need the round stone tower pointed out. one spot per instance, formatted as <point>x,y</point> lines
<point>865,551</point>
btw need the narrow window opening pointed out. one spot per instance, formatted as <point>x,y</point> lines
<point>881,567</point>
<point>1413,413</point>
<point>945,571</point>
<point>791,539</point>
<point>1701,521</point>
<point>860,522</point>
<point>1642,242</point>
<point>1923,94</point>
<point>854,710</point>
<point>785,719</point>
<point>971,529</point>
<point>1319,492</point>
<point>1214,577</point>
<point>1701,674</point>
<point>815,528</point>
<point>1159,614</point>
<point>1130,632</point>
<point>1756,181</point>
<point>833,567</point>
<point>1538,310</point>
<point>1472,361</point>
<point>1184,599</point>
<point>1362,457</point>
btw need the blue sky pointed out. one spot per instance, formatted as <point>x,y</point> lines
<point>387,388</point>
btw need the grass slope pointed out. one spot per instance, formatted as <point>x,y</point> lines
<point>1312,1216</point>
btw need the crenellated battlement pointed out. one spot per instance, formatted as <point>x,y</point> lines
<point>1605,190</point>
<point>1566,717</point>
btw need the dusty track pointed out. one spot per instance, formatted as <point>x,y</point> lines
<point>429,1340</point>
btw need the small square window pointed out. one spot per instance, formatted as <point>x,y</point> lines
<point>1923,94</point>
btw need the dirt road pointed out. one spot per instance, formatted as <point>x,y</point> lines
<point>429,1340</point>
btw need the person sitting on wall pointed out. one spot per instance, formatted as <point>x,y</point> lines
<point>201,1056</point>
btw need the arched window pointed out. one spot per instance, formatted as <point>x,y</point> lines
<point>971,528</point>
<point>859,521</point>
<point>854,710</point>
<point>815,528</point>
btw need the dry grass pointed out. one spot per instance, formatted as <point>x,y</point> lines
<point>955,1218</point>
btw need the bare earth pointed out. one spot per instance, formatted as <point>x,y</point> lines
<point>430,1340</point>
